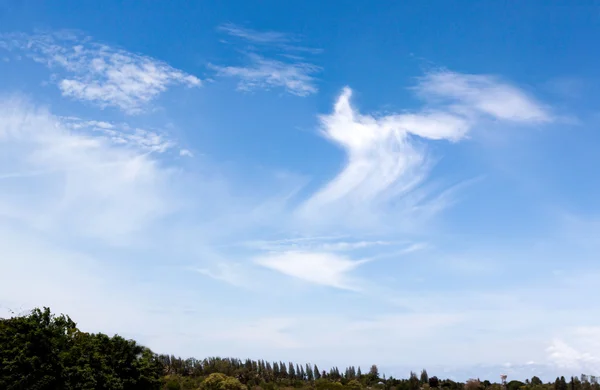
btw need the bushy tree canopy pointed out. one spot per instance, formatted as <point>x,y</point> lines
<point>43,351</point>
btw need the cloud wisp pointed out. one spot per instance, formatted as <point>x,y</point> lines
<point>263,73</point>
<point>286,42</point>
<point>150,140</point>
<point>257,37</point>
<point>327,269</point>
<point>263,70</point>
<point>98,73</point>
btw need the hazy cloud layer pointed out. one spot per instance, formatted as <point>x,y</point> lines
<point>75,182</point>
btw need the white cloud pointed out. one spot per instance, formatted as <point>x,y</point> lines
<point>579,353</point>
<point>291,72</point>
<point>387,162</point>
<point>263,73</point>
<point>382,161</point>
<point>98,73</point>
<point>320,268</point>
<point>186,153</point>
<point>483,93</point>
<point>71,183</point>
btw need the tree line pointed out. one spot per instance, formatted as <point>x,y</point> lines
<point>41,351</point>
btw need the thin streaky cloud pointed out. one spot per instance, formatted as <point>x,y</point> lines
<point>224,272</point>
<point>271,60</point>
<point>330,244</point>
<point>264,37</point>
<point>275,39</point>
<point>297,78</point>
<point>124,134</point>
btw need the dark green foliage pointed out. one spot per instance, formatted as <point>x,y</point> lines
<point>31,350</point>
<point>516,385</point>
<point>41,351</point>
<point>535,381</point>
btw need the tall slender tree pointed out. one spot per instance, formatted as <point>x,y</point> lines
<point>317,374</point>
<point>424,376</point>
<point>309,372</point>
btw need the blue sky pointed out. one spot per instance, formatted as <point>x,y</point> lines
<point>412,185</point>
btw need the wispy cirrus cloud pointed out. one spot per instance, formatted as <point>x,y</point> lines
<point>98,73</point>
<point>387,158</point>
<point>259,37</point>
<point>333,243</point>
<point>263,73</point>
<point>284,41</point>
<point>264,70</point>
<point>150,140</point>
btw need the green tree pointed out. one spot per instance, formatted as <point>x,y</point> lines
<point>42,351</point>
<point>424,377</point>
<point>317,374</point>
<point>535,381</point>
<point>373,375</point>
<point>213,381</point>
<point>172,384</point>
<point>31,349</point>
<point>413,382</point>
<point>563,383</point>
<point>97,361</point>
<point>309,373</point>
<point>516,385</point>
<point>354,385</point>
<point>231,384</point>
